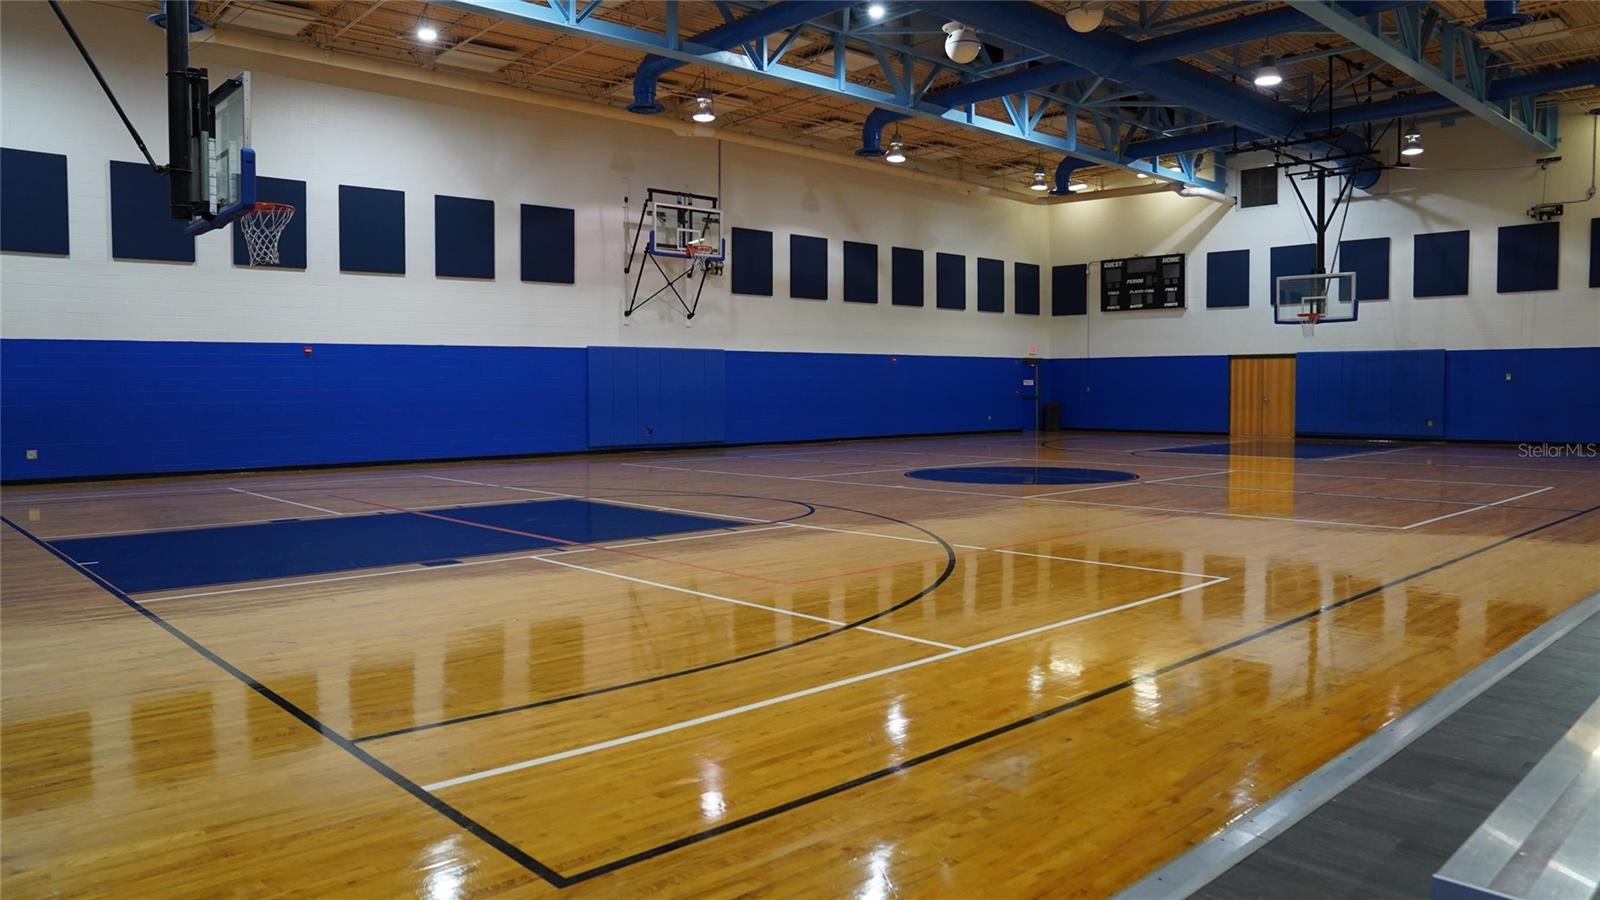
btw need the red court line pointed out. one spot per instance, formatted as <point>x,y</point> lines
<point>562,541</point>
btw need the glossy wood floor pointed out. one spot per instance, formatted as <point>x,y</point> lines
<point>908,688</point>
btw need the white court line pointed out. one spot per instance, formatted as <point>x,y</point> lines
<point>697,537</point>
<point>1365,453</point>
<point>315,581</point>
<point>796,695</point>
<point>1117,484</point>
<point>910,467</point>
<point>59,497</point>
<point>290,502</point>
<point>1472,510</point>
<point>775,609</point>
<point>1095,562</point>
<point>1037,498</point>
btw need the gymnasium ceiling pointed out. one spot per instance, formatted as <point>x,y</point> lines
<point>576,63</point>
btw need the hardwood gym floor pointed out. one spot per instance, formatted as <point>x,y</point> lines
<point>786,671</point>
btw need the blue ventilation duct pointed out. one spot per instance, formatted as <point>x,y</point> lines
<point>1064,170</point>
<point>1501,15</point>
<point>1405,107</point>
<point>1183,43</point>
<point>1116,59</point>
<point>756,25</point>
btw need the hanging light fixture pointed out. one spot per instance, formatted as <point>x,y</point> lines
<point>1411,144</point>
<point>1142,174</point>
<point>427,33</point>
<point>1041,181</point>
<point>703,109</point>
<point>1267,74</point>
<point>876,11</point>
<point>1078,187</point>
<point>897,150</point>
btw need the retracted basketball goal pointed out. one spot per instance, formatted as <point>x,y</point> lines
<point>675,226</point>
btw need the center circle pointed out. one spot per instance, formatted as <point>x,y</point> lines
<point>1021,475</point>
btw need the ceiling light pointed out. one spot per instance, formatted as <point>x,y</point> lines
<point>703,111</point>
<point>1078,186</point>
<point>1412,143</point>
<point>1085,15</point>
<point>1041,181</point>
<point>961,42</point>
<point>876,11</point>
<point>1142,174</point>
<point>1268,75</point>
<point>897,152</point>
<point>427,33</point>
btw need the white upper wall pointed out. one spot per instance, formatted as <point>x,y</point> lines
<point>1471,177</point>
<point>329,127</point>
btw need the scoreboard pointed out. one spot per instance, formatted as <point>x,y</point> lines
<point>1142,282</point>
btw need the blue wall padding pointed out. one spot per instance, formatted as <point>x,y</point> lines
<point>1069,290</point>
<point>1369,260</point>
<point>372,230</point>
<point>142,226</point>
<point>463,237</point>
<point>1529,257</point>
<point>549,244</point>
<point>950,281</point>
<point>806,396</point>
<point>1026,290</point>
<point>1371,393</point>
<point>752,262</point>
<point>1294,259</point>
<point>860,272</point>
<point>1594,252</point>
<point>650,396</point>
<point>905,276</point>
<point>808,267</point>
<point>991,285</point>
<point>124,407</point>
<point>1439,264</point>
<point>1143,393</point>
<point>33,202</point>
<point>1227,278</point>
<point>1549,396</point>
<point>292,242</point>
<point>170,560</point>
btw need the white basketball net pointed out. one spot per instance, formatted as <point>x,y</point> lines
<point>262,227</point>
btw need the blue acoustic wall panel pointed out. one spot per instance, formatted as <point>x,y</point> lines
<point>125,407</point>
<point>33,211</point>
<point>1369,260</point>
<point>292,242</point>
<point>991,285</point>
<point>1371,393</point>
<point>752,262</point>
<point>1522,395</point>
<point>808,267</point>
<point>1529,257</point>
<point>463,237</point>
<point>1294,259</point>
<point>646,396</point>
<point>1594,253</point>
<point>805,396</point>
<point>860,272</point>
<point>1026,291</point>
<point>905,276</point>
<point>1151,393</point>
<point>1227,278</point>
<point>549,244</point>
<point>950,281</point>
<point>141,225</point>
<point>1069,290</point>
<point>372,230</point>
<point>1439,264</point>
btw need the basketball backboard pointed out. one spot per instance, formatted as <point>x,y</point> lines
<point>1329,298</point>
<point>225,169</point>
<point>689,226</point>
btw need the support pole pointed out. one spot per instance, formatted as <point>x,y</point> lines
<point>180,157</point>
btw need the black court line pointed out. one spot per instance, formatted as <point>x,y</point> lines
<point>467,823</point>
<point>930,756</point>
<point>930,587</point>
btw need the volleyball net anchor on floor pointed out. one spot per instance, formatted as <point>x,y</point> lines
<point>686,230</point>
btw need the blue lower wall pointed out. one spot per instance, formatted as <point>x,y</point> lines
<point>135,407</point>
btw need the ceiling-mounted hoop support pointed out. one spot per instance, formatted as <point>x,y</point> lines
<point>701,252</point>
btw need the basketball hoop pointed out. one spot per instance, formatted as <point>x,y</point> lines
<point>262,227</point>
<point>1308,323</point>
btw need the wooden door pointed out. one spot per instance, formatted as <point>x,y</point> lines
<point>1262,396</point>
